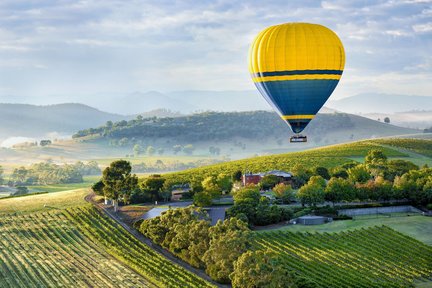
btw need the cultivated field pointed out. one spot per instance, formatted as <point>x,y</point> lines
<point>47,250</point>
<point>57,240</point>
<point>372,257</point>
<point>418,227</point>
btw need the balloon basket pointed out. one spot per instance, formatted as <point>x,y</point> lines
<point>298,139</point>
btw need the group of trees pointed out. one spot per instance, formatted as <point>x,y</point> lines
<point>187,233</point>
<point>224,251</point>
<point>45,173</point>
<point>212,187</point>
<point>120,185</point>
<point>255,209</point>
<point>165,166</point>
<point>376,179</point>
<point>211,126</point>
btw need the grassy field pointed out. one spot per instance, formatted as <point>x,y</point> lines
<point>418,227</point>
<point>43,202</point>
<point>88,181</point>
<point>371,257</point>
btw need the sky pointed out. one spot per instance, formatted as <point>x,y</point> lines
<point>79,48</point>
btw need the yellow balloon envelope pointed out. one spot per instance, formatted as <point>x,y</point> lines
<point>296,67</point>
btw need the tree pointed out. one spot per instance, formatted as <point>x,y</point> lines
<point>228,240</point>
<point>375,156</point>
<point>387,120</point>
<point>153,185</point>
<point>98,187</point>
<point>284,192</point>
<point>359,174</point>
<point>398,167</point>
<point>118,181</point>
<point>191,241</point>
<point>318,180</point>
<point>188,149</point>
<point>237,176</point>
<point>301,175</point>
<point>21,190</point>
<point>150,150</point>
<point>19,175</point>
<point>339,189</point>
<point>312,193</point>
<point>339,172</point>
<point>269,181</point>
<point>247,194</point>
<point>321,171</point>
<point>261,269</point>
<point>224,182</point>
<point>202,199</point>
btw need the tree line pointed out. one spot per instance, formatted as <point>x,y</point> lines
<point>210,126</point>
<point>46,173</point>
<point>223,250</point>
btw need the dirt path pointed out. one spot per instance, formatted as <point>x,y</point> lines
<point>90,198</point>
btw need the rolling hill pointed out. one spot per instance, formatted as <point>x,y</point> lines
<point>37,121</point>
<point>256,130</point>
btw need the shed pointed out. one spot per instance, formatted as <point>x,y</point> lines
<point>312,220</point>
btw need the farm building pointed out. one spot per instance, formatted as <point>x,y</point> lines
<point>313,220</point>
<point>251,178</point>
<point>178,191</point>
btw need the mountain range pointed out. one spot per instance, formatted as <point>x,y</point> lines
<point>190,101</point>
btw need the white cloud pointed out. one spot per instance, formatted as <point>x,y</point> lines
<point>423,28</point>
<point>115,45</point>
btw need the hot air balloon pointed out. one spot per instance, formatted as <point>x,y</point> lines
<point>296,67</point>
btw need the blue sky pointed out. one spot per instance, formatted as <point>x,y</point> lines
<point>79,48</point>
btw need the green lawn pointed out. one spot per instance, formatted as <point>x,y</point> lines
<point>88,182</point>
<point>418,227</point>
<point>44,202</point>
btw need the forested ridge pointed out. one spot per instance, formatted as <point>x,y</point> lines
<point>214,126</point>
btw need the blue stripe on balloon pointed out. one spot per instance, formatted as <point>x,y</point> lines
<point>297,97</point>
<point>297,72</point>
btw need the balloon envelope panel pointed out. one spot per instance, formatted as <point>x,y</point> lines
<point>296,67</point>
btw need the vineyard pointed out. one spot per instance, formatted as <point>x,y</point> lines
<point>330,156</point>
<point>71,248</point>
<point>423,147</point>
<point>373,257</point>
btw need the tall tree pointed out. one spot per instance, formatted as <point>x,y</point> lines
<point>261,269</point>
<point>119,182</point>
<point>228,240</point>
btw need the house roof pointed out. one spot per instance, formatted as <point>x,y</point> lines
<point>279,173</point>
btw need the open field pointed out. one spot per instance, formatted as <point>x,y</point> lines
<point>372,257</point>
<point>88,181</point>
<point>43,202</point>
<point>418,227</point>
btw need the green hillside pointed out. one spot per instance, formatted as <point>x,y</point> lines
<point>242,129</point>
<point>329,156</point>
